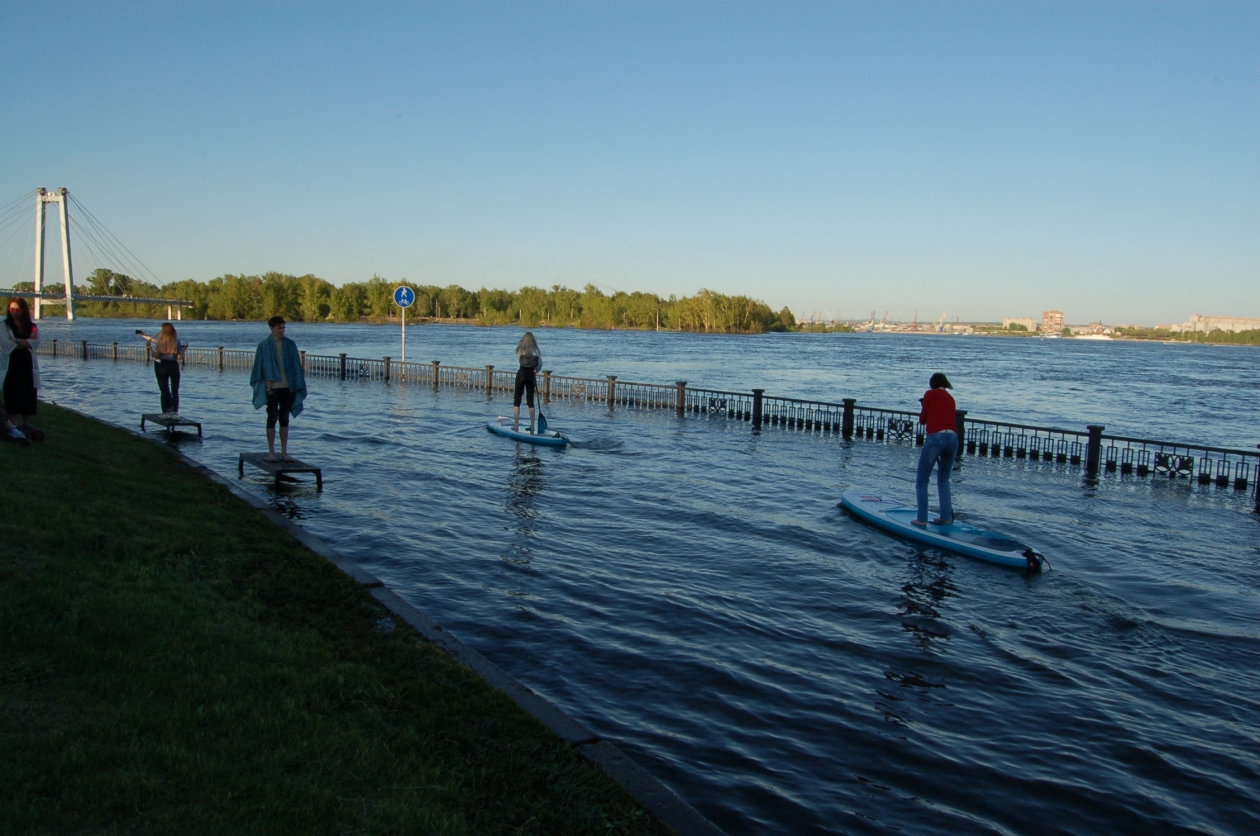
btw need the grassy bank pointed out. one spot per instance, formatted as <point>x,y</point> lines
<point>170,661</point>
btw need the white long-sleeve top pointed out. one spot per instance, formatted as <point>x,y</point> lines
<point>33,339</point>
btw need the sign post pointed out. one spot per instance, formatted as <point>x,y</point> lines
<point>404,297</point>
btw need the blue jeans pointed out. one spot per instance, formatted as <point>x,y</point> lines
<point>939,450</point>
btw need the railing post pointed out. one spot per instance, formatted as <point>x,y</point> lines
<point>1256,483</point>
<point>489,381</point>
<point>846,421</point>
<point>756,416</point>
<point>387,370</point>
<point>302,359</point>
<point>1093,450</point>
<point>85,351</point>
<point>680,398</point>
<point>546,386</point>
<point>436,364</point>
<point>220,358</point>
<point>54,354</point>
<point>342,358</point>
<point>960,428</point>
<point>612,391</point>
<point>115,352</point>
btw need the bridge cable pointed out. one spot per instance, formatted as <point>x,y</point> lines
<point>92,218</point>
<point>87,231</point>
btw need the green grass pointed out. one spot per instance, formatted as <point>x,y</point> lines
<point>172,662</point>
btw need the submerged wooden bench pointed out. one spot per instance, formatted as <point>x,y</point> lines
<point>279,469</point>
<point>168,422</point>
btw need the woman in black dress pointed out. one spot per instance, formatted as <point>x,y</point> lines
<point>21,381</point>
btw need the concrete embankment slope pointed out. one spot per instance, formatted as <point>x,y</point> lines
<point>179,657</point>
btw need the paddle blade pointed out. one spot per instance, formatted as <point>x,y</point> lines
<point>542,423</point>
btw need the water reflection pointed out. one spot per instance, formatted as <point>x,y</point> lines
<point>922,595</point>
<point>284,498</point>
<point>525,486</point>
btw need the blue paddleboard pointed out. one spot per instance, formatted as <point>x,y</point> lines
<point>958,536</point>
<point>503,426</point>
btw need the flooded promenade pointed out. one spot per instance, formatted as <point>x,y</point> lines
<point>689,589</point>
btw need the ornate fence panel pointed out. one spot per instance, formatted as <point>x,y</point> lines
<point>891,426</point>
<point>715,403</point>
<point>322,365</point>
<point>996,439</point>
<point>579,388</point>
<point>644,395</point>
<point>1223,467</point>
<point>794,413</point>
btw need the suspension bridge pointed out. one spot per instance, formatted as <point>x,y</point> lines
<point>103,248</point>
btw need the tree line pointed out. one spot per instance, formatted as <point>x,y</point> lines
<point>1218,336</point>
<point>312,299</point>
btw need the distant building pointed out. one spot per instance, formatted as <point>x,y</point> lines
<point>1207,324</point>
<point>1052,322</point>
<point>1029,323</point>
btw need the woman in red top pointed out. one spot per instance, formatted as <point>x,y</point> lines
<point>940,448</point>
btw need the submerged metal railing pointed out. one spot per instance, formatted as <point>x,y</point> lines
<point>1091,450</point>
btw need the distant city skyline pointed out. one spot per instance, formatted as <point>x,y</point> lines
<point>989,160</point>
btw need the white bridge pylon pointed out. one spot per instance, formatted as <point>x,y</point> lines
<point>62,198</point>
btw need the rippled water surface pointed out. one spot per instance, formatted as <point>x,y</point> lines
<point>689,589</point>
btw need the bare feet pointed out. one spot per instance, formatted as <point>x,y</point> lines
<point>271,457</point>
<point>285,457</point>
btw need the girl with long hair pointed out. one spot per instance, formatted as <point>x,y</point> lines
<point>530,360</point>
<point>21,380</point>
<point>167,352</point>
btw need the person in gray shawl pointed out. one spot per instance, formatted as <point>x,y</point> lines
<point>279,385</point>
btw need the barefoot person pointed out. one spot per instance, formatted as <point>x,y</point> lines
<point>21,381</point>
<point>279,385</point>
<point>530,359</point>
<point>167,352</point>
<point>940,448</point>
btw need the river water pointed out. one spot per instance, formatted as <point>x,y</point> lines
<point>689,589</point>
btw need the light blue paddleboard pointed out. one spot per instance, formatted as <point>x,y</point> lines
<point>503,426</point>
<point>960,537</point>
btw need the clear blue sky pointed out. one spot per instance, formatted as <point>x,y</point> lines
<point>989,159</point>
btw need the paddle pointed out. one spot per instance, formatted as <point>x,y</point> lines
<point>542,422</point>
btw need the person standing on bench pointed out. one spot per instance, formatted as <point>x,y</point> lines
<point>167,351</point>
<point>279,385</point>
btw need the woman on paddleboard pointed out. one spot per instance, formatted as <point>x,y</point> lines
<point>530,359</point>
<point>940,448</point>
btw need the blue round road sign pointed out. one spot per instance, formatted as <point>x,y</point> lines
<point>404,296</point>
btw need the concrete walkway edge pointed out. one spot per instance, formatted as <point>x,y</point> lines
<point>636,780</point>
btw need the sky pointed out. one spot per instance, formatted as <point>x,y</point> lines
<point>982,159</point>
